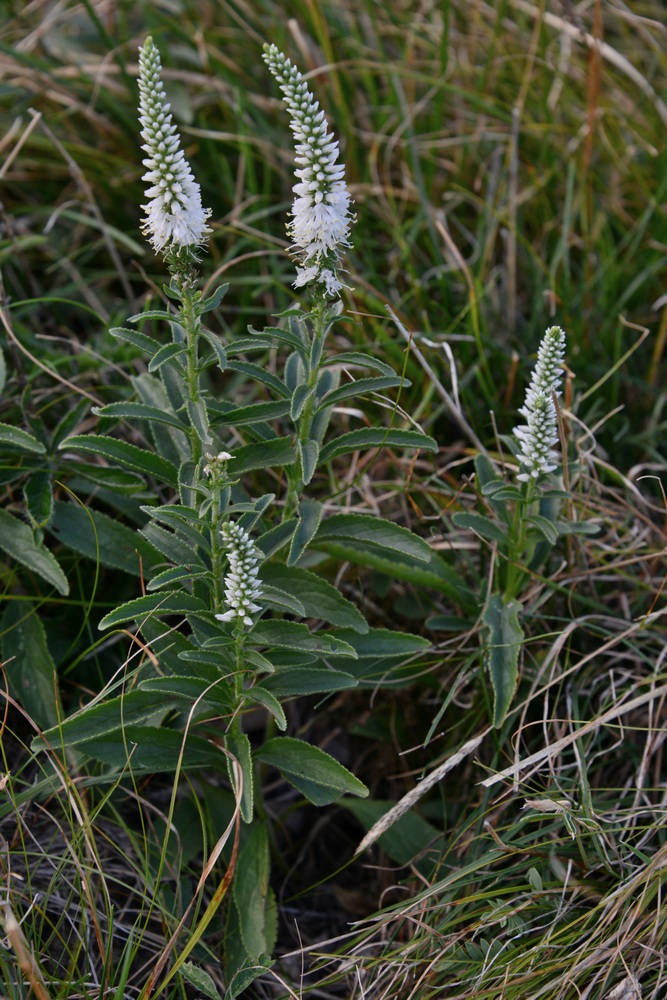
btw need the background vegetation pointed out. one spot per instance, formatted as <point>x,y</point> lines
<point>508,168</point>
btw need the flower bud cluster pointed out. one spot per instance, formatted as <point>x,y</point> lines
<point>321,217</point>
<point>242,584</point>
<point>175,217</point>
<point>539,435</point>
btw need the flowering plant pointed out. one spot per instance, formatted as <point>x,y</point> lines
<point>232,616</point>
<point>521,522</point>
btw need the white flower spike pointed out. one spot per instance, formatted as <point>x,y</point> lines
<point>539,435</point>
<point>321,216</point>
<point>242,584</point>
<point>175,217</point>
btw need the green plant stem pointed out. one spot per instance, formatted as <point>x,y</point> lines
<point>318,317</point>
<point>517,543</point>
<point>239,643</point>
<point>189,319</point>
<point>217,554</point>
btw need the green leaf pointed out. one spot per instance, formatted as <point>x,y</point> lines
<point>151,749</point>
<point>362,387</point>
<point>290,681</point>
<point>105,717</point>
<point>139,411</point>
<point>3,371</point>
<point>546,528</point>
<point>281,334</point>
<point>376,438</point>
<point>137,339</point>
<point>256,413</point>
<point>214,300</point>
<point>261,696</point>
<point>165,393</point>
<point>166,353</point>
<point>299,397</point>
<point>577,528</point>
<point>38,493</point>
<point>199,420</point>
<point>98,536</point>
<point>174,575</point>
<point>499,490</point>
<point>502,655</point>
<point>28,664</point>
<point>216,344</point>
<point>375,532</point>
<point>124,454</point>
<point>276,538</point>
<point>217,694</point>
<point>317,775</point>
<point>244,344</point>
<point>241,979</point>
<point>319,598</point>
<point>174,547</point>
<point>310,515</point>
<point>309,453</point>
<point>175,602</point>
<point>238,745</point>
<point>250,889</point>
<point>109,479</point>
<point>18,541</point>
<point>383,642</point>
<point>14,437</point>
<point>487,529</point>
<point>200,979</point>
<point>153,314</point>
<point>486,471</point>
<point>280,600</point>
<point>436,574</point>
<point>358,360</point>
<point>263,455</point>
<point>294,635</point>
<point>259,374</point>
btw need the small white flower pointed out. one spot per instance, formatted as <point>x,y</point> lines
<point>242,584</point>
<point>215,461</point>
<point>174,215</point>
<point>321,216</point>
<point>538,437</point>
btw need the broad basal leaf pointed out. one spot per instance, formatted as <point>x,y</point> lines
<point>28,664</point>
<point>18,541</point>
<point>505,636</point>
<point>97,536</point>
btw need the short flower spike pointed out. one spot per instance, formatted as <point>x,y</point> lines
<point>321,216</point>
<point>175,217</point>
<point>539,435</point>
<point>242,584</point>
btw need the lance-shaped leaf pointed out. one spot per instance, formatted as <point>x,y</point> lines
<point>505,636</point>
<point>18,541</point>
<point>317,775</point>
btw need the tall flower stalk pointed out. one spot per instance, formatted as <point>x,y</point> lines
<point>321,218</point>
<point>175,220</point>
<point>537,454</point>
<point>539,435</point>
<point>320,230</point>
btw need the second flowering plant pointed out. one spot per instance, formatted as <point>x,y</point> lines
<point>521,522</point>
